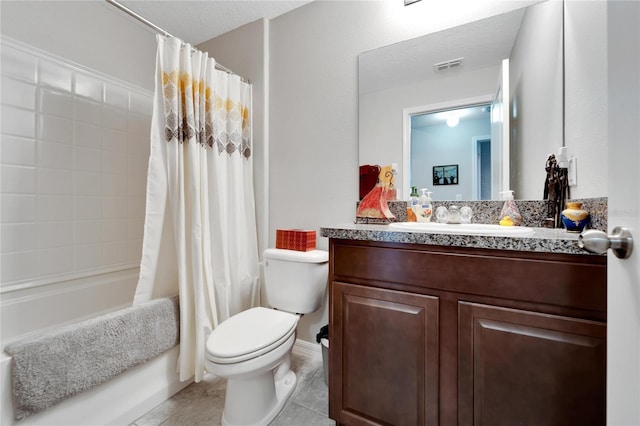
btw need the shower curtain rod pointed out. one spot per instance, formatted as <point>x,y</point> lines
<point>161,31</point>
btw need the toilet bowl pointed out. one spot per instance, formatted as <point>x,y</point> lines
<point>252,349</point>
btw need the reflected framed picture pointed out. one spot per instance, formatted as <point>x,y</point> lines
<point>445,175</point>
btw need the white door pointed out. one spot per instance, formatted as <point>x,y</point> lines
<point>623,278</point>
<point>500,135</point>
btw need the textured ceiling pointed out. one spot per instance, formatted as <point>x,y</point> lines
<point>198,21</point>
<point>481,43</point>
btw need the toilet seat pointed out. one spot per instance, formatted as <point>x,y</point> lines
<point>249,334</point>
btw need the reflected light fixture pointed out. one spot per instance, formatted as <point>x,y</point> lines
<point>453,120</point>
<point>408,2</point>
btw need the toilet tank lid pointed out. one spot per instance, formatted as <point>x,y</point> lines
<point>312,256</point>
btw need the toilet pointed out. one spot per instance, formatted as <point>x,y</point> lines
<point>252,349</point>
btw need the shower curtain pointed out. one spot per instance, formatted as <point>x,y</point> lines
<point>200,237</point>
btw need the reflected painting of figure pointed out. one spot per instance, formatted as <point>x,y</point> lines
<point>445,175</point>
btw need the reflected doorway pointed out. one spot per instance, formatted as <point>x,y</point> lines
<point>482,169</point>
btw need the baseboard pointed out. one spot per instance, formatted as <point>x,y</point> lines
<point>308,349</point>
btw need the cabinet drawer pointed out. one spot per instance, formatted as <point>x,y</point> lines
<point>577,282</point>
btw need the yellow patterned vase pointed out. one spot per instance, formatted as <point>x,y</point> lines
<point>574,218</point>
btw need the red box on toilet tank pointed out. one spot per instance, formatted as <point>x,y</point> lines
<point>296,239</point>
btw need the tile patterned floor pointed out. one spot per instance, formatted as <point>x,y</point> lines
<point>201,404</point>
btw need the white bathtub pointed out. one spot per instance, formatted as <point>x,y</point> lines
<point>119,401</point>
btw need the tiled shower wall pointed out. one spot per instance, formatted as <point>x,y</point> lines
<point>74,153</point>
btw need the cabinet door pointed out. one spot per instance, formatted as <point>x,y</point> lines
<point>383,356</point>
<point>525,368</point>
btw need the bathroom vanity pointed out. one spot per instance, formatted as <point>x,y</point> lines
<point>434,329</point>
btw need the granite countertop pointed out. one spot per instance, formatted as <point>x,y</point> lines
<point>542,240</point>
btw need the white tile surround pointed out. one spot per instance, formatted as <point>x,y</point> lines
<point>73,158</point>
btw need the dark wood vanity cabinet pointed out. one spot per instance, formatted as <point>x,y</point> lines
<point>389,347</point>
<point>522,367</point>
<point>430,335</point>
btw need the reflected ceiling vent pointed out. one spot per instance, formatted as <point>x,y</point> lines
<point>448,65</point>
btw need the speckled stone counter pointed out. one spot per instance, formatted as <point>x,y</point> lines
<point>542,240</point>
<point>533,212</point>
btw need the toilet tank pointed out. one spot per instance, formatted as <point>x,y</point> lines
<point>295,281</point>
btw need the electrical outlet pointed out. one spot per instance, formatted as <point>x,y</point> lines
<point>573,171</point>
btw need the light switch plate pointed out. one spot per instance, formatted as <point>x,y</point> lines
<point>573,171</point>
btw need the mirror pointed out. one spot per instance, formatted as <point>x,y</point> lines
<point>462,66</point>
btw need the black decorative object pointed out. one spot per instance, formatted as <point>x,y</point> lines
<point>556,190</point>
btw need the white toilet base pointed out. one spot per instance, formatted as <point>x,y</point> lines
<point>257,401</point>
<point>257,388</point>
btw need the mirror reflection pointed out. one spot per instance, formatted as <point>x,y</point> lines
<point>451,152</point>
<point>462,67</point>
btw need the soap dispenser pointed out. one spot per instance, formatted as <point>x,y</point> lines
<point>423,209</point>
<point>411,205</point>
<point>509,216</point>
